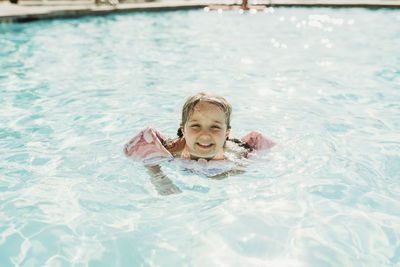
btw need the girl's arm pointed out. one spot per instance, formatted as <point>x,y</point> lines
<point>147,148</point>
<point>161,182</point>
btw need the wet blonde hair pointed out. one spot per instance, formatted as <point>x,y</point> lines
<point>192,101</point>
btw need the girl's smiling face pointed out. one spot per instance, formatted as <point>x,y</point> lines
<point>205,131</point>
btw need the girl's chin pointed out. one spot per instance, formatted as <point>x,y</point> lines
<point>199,154</point>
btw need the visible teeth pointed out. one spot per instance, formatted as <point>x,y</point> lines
<point>204,144</point>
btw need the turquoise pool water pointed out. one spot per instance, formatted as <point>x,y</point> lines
<point>323,82</point>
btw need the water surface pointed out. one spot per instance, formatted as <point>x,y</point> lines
<point>323,82</point>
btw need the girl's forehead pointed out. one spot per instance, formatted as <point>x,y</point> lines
<point>208,110</point>
<point>204,106</point>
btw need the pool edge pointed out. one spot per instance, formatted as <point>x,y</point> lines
<point>12,13</point>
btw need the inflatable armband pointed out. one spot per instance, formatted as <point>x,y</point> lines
<point>257,141</point>
<point>146,147</point>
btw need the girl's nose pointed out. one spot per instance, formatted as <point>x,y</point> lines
<point>205,133</point>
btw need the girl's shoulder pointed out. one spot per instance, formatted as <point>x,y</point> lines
<point>174,146</point>
<point>235,148</point>
<point>248,143</point>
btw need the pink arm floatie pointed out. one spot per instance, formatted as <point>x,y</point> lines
<point>257,141</point>
<point>146,147</point>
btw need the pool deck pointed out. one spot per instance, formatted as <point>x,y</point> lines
<point>26,11</point>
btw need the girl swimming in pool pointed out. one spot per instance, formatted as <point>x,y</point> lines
<point>203,136</point>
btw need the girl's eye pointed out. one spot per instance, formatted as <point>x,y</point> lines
<point>216,127</point>
<point>195,125</point>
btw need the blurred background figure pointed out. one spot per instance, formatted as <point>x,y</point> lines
<point>244,4</point>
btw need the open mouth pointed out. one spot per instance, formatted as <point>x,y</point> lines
<point>204,146</point>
